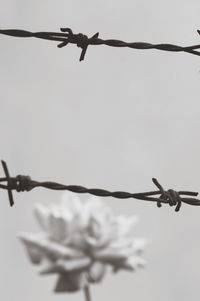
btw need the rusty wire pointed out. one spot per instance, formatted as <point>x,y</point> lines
<point>173,198</point>
<point>67,36</point>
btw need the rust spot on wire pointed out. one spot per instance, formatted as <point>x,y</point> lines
<point>67,36</point>
<point>173,198</point>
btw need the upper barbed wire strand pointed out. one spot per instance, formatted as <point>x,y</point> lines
<point>173,198</point>
<point>67,36</point>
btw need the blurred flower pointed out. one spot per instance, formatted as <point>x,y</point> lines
<point>79,240</point>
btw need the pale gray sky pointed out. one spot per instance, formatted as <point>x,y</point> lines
<point>113,121</point>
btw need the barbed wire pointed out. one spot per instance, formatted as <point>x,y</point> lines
<point>67,36</point>
<point>22,183</point>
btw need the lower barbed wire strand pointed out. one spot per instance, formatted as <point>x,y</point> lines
<point>22,183</point>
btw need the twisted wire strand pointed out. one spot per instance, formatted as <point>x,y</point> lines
<point>67,36</point>
<point>173,198</point>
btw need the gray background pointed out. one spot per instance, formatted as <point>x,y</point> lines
<point>113,121</point>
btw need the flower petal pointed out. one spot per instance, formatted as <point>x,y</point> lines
<point>49,249</point>
<point>139,244</point>
<point>66,266</point>
<point>79,264</point>
<point>131,264</point>
<point>97,272</point>
<point>126,224</point>
<point>34,253</point>
<point>71,203</point>
<point>41,214</point>
<point>57,228</point>
<point>110,255</point>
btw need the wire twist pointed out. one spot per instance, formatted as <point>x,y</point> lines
<point>173,198</point>
<point>67,36</point>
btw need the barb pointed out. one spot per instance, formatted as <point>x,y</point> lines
<point>173,198</point>
<point>67,36</point>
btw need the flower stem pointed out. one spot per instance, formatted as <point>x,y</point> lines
<point>87,293</point>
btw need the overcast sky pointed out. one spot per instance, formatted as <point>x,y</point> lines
<point>113,121</point>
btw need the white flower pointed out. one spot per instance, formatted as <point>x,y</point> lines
<point>80,239</point>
